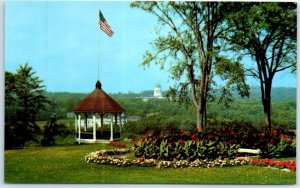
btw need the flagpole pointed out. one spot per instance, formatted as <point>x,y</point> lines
<point>98,55</point>
<point>106,29</point>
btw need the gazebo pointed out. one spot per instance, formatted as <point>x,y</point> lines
<point>95,112</point>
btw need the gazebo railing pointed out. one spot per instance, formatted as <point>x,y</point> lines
<point>100,135</point>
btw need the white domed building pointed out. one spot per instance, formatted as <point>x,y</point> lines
<point>157,91</point>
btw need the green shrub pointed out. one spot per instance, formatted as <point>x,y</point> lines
<point>51,130</point>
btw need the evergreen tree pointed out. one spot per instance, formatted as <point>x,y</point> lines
<point>24,99</point>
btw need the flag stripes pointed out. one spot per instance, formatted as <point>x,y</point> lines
<point>106,28</point>
<point>104,25</point>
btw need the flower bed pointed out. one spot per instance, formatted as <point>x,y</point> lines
<point>192,145</point>
<point>116,144</point>
<point>99,155</point>
<point>167,148</point>
<point>291,165</point>
<point>109,157</point>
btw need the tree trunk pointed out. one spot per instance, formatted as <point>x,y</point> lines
<point>267,113</point>
<point>266,87</point>
<point>267,104</point>
<point>200,119</point>
<point>205,117</point>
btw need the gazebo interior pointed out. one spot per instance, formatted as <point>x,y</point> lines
<point>98,118</point>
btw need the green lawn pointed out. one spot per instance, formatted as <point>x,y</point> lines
<point>65,164</point>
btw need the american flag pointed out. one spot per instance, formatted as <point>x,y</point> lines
<point>104,25</point>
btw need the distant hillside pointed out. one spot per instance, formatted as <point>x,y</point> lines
<point>240,110</point>
<point>64,95</point>
<point>278,94</point>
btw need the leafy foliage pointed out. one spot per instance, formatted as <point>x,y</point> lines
<point>215,144</point>
<point>189,49</point>
<point>267,33</point>
<point>184,146</point>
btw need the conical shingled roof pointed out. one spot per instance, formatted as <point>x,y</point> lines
<point>98,101</point>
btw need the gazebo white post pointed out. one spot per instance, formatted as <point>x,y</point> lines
<point>101,120</point>
<point>111,128</point>
<point>79,128</point>
<point>120,123</point>
<point>85,121</point>
<point>75,125</point>
<point>94,127</point>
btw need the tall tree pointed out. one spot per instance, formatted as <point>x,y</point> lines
<point>266,32</point>
<point>188,45</point>
<point>24,98</point>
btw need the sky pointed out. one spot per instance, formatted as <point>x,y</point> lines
<point>62,42</point>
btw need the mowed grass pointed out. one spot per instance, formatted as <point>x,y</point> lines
<point>65,164</point>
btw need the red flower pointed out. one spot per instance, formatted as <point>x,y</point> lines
<point>271,141</point>
<point>134,142</point>
<point>280,164</point>
<point>255,161</point>
<point>282,136</point>
<point>142,139</point>
<point>194,137</point>
<point>116,144</point>
<point>142,158</point>
<point>180,141</point>
<point>275,131</point>
<point>272,162</point>
<point>182,131</point>
<point>232,132</point>
<point>289,140</point>
<point>223,129</point>
<point>292,167</point>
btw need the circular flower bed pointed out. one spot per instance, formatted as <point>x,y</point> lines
<point>112,157</point>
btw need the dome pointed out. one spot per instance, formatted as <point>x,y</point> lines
<point>157,85</point>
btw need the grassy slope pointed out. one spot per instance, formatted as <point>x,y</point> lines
<point>65,164</point>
